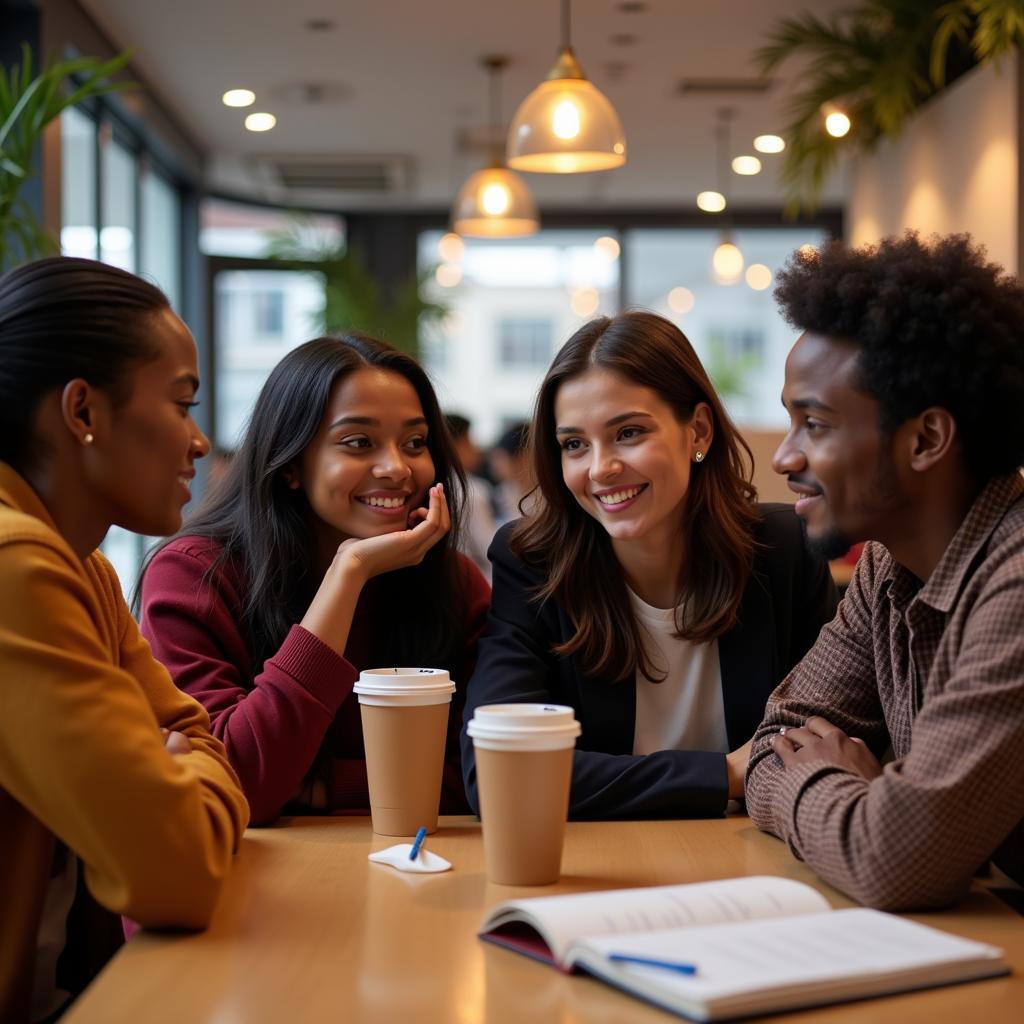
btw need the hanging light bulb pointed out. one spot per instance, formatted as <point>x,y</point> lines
<point>566,125</point>
<point>727,261</point>
<point>494,202</point>
<point>837,123</point>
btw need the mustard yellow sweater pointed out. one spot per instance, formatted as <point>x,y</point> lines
<point>82,759</point>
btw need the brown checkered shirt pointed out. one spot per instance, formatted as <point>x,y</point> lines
<point>937,670</point>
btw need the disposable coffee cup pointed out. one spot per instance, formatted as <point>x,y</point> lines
<point>523,771</point>
<point>405,721</point>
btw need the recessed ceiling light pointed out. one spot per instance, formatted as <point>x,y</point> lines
<point>711,202</point>
<point>261,122</point>
<point>239,98</point>
<point>746,165</point>
<point>769,144</point>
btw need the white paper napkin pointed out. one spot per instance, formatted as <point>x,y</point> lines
<point>398,857</point>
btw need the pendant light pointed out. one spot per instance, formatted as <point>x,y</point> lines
<point>494,202</point>
<point>727,261</point>
<point>566,125</point>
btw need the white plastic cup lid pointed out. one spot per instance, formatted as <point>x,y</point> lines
<point>524,726</point>
<point>385,682</point>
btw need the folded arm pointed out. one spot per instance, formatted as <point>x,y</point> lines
<point>272,722</point>
<point>81,746</point>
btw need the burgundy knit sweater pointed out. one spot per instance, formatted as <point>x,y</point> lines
<point>293,719</point>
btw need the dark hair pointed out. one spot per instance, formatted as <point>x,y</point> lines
<point>458,425</point>
<point>575,551</point>
<point>265,527</point>
<point>60,319</point>
<point>514,440</point>
<point>937,325</point>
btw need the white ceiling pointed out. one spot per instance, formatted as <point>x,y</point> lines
<point>409,75</point>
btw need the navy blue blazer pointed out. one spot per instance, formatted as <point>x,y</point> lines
<point>789,597</point>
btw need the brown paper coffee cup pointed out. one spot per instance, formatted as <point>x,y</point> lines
<point>524,769</point>
<point>405,722</point>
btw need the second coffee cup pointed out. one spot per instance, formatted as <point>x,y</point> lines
<point>523,756</point>
<point>405,721</point>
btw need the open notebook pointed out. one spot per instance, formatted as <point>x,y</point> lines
<point>754,945</point>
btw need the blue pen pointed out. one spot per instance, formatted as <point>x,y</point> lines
<point>643,961</point>
<point>417,843</point>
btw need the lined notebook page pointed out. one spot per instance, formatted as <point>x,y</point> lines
<point>848,951</point>
<point>561,919</point>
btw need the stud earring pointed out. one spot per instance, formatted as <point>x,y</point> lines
<point>698,456</point>
<point>87,439</point>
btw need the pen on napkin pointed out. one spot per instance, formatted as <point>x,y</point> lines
<point>643,961</point>
<point>417,843</point>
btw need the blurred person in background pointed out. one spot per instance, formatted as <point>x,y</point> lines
<point>510,466</point>
<point>479,524</point>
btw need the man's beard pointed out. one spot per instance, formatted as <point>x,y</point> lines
<point>832,544</point>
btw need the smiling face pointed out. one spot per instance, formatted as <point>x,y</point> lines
<point>626,458</point>
<point>368,466</point>
<point>838,461</point>
<point>143,459</point>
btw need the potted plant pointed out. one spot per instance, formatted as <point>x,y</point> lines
<point>353,300</point>
<point>27,105</point>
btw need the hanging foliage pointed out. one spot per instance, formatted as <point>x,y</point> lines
<point>878,62</point>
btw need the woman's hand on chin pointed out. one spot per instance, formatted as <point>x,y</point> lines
<point>371,556</point>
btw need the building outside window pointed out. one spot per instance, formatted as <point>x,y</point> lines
<point>525,341</point>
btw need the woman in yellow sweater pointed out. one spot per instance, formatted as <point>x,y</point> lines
<point>112,790</point>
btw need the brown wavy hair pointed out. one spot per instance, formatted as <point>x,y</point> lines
<point>574,552</point>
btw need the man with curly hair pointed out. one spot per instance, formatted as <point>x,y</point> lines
<point>905,393</point>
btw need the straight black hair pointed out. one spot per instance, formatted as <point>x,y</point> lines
<point>61,319</point>
<point>265,526</point>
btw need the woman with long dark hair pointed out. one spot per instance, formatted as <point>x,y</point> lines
<point>325,549</point>
<point>114,797</point>
<point>647,588</point>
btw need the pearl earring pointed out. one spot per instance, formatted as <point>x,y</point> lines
<point>698,456</point>
<point>87,439</point>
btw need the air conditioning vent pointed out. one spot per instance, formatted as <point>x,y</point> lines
<point>724,86</point>
<point>364,175</point>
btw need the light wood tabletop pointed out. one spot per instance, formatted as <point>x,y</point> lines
<point>308,930</point>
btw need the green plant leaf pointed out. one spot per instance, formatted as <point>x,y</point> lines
<point>879,61</point>
<point>28,103</point>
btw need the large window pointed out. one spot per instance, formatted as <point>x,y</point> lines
<point>160,224</point>
<point>511,303</point>
<point>260,316</point>
<point>734,324</point>
<point>79,233</point>
<point>119,227</point>
<point>261,310</point>
<point>118,207</point>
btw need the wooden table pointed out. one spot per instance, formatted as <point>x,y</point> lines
<point>308,930</point>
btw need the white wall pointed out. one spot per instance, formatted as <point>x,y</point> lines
<point>954,168</point>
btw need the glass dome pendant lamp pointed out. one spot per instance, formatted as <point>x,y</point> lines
<point>494,202</point>
<point>566,125</point>
<point>727,260</point>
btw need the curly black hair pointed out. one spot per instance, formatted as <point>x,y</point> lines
<point>938,325</point>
